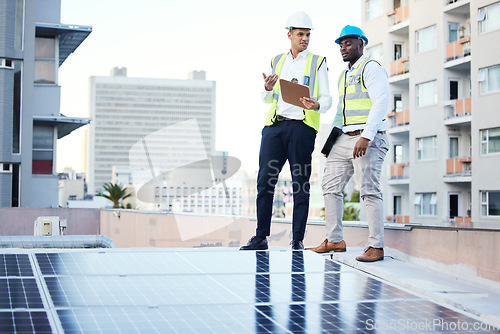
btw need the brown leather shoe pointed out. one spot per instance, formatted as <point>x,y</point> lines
<point>371,255</point>
<point>327,246</point>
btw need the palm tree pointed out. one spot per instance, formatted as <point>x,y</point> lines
<point>116,193</point>
<point>350,214</point>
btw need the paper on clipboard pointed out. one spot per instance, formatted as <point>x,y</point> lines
<point>292,92</point>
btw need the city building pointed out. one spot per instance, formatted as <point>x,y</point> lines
<point>443,60</point>
<point>125,111</point>
<point>72,186</point>
<point>33,45</point>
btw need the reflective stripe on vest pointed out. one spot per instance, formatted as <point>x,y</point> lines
<point>356,103</point>
<point>313,62</point>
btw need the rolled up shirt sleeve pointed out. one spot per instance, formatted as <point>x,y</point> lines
<point>267,95</point>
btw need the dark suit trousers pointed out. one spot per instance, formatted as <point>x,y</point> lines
<point>292,141</point>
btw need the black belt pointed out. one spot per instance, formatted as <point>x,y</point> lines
<point>280,118</point>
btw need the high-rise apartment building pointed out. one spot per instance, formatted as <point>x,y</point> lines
<point>443,59</point>
<point>125,111</point>
<point>33,45</point>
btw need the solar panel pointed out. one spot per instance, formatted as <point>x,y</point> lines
<point>203,291</point>
<point>15,265</point>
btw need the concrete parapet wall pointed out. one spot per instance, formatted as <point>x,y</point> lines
<point>20,221</point>
<point>475,250</point>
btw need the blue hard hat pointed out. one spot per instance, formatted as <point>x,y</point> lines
<point>351,31</point>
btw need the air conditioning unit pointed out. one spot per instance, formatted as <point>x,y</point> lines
<point>49,225</point>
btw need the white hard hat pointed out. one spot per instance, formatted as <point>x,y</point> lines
<point>299,20</point>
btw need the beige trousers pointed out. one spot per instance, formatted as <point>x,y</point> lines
<point>339,168</point>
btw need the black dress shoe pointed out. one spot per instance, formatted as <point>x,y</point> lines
<point>297,245</point>
<point>256,243</point>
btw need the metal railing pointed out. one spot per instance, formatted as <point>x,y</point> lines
<point>458,166</point>
<point>400,219</point>
<point>398,15</point>
<point>458,49</point>
<point>399,118</point>
<point>458,108</point>
<point>400,66</point>
<point>400,171</point>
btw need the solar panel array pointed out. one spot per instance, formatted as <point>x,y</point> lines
<point>207,291</point>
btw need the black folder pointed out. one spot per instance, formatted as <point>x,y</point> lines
<point>334,134</point>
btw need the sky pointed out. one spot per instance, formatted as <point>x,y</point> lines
<point>232,40</point>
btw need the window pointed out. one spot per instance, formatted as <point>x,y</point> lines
<point>396,205</point>
<point>427,93</point>
<point>43,149</point>
<point>18,33</point>
<point>373,9</point>
<point>453,28</point>
<point>453,89</point>
<point>398,51</point>
<point>489,18</point>
<point>453,147</point>
<point>425,204</point>
<point>489,79</point>
<point>398,153</point>
<point>45,60</point>
<point>16,112</point>
<point>426,39</point>
<point>490,141</point>
<point>398,102</point>
<point>454,205</point>
<point>490,203</point>
<point>6,63</point>
<point>427,148</point>
<point>375,53</point>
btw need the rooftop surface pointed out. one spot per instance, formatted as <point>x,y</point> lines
<point>217,290</point>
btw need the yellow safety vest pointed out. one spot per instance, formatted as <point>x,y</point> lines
<point>353,96</point>
<point>313,62</point>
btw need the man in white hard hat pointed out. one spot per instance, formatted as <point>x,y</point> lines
<point>290,131</point>
<point>363,99</point>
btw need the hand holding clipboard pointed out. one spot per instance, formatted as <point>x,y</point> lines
<point>298,95</point>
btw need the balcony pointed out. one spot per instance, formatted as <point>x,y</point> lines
<point>398,15</point>
<point>398,119</point>
<point>458,108</point>
<point>458,170</point>
<point>460,166</point>
<point>399,219</point>
<point>400,69</point>
<point>400,174</point>
<point>400,171</point>
<point>463,219</point>
<point>458,49</point>
<point>457,7</point>
<point>400,66</point>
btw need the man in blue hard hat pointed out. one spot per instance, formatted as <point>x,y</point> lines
<point>290,130</point>
<point>363,99</point>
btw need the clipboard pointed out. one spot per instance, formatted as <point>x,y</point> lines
<point>291,92</point>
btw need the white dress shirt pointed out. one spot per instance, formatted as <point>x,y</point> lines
<point>293,68</point>
<point>377,84</point>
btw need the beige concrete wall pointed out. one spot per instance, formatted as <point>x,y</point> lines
<point>479,250</point>
<point>20,221</point>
